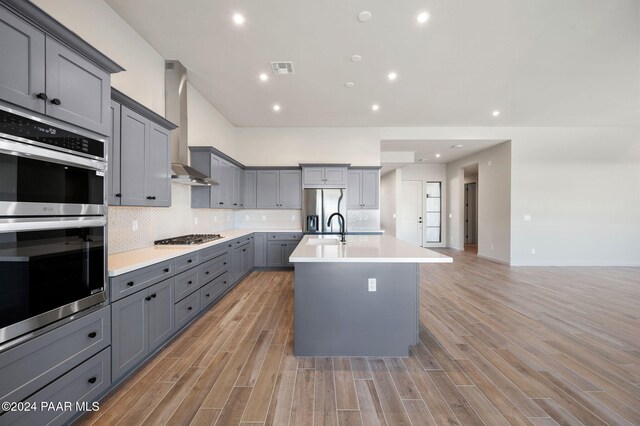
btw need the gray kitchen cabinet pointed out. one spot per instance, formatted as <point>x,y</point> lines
<point>363,188</point>
<point>209,165</point>
<point>140,323</point>
<point>324,176</point>
<point>141,156</point>
<point>41,74</point>
<point>236,183</point>
<point>260,249</point>
<point>22,64</point>
<point>279,189</point>
<point>113,157</point>
<point>225,196</point>
<point>187,309</point>
<point>78,90</point>
<point>249,189</point>
<point>278,253</point>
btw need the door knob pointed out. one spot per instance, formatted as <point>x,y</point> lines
<point>42,96</point>
<point>56,101</point>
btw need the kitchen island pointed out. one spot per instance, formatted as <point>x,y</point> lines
<point>357,299</point>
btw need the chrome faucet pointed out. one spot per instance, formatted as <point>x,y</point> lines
<point>343,238</point>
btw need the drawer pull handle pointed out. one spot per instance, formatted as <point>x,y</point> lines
<point>147,298</point>
<point>92,380</point>
<point>224,263</point>
<point>153,295</point>
<point>42,96</point>
<point>189,282</point>
<point>189,308</point>
<point>92,335</point>
<point>166,269</point>
<point>244,249</point>
<point>207,294</point>
<point>224,282</point>
<point>206,272</point>
<point>130,283</point>
<point>56,101</point>
<point>189,261</point>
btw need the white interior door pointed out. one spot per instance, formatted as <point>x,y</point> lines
<point>410,213</point>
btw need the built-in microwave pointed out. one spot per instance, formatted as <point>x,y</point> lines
<point>46,170</point>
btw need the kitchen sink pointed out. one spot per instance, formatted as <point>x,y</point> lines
<point>323,242</point>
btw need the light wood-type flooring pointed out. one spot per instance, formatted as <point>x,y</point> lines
<point>499,345</point>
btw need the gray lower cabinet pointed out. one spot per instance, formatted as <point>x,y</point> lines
<point>141,322</point>
<point>260,249</point>
<point>41,74</point>
<point>363,189</point>
<point>278,253</point>
<point>241,259</point>
<point>187,309</point>
<point>279,189</point>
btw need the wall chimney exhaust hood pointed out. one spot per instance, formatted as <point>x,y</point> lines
<point>175,89</point>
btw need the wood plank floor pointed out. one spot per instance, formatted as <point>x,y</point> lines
<point>498,345</point>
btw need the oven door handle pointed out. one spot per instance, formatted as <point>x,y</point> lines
<point>35,152</point>
<point>46,224</point>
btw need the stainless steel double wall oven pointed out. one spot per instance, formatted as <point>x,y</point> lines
<point>52,222</point>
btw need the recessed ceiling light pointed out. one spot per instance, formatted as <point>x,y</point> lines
<point>238,19</point>
<point>364,16</point>
<point>392,76</point>
<point>375,107</point>
<point>264,77</point>
<point>495,113</point>
<point>422,17</point>
<point>356,58</point>
<point>456,146</point>
<point>276,107</point>
<point>349,84</point>
<point>437,155</point>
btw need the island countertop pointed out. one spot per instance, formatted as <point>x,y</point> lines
<point>363,249</point>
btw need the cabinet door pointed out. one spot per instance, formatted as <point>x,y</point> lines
<point>267,189</point>
<point>237,181</point>
<point>160,313</point>
<point>354,188</point>
<point>370,189</point>
<point>290,189</point>
<point>133,140</point>
<point>223,188</point>
<point>22,63</point>
<point>335,177</point>
<point>288,249</point>
<point>216,172</point>
<point>313,176</point>
<point>238,264</point>
<point>113,157</point>
<point>158,170</point>
<point>260,249</point>
<point>252,253</point>
<point>275,254</point>
<point>82,89</point>
<point>129,332</point>
<point>249,188</point>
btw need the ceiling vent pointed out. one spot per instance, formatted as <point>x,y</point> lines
<point>282,67</point>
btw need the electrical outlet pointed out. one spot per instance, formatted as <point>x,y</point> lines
<point>195,220</point>
<point>533,251</point>
<point>450,215</point>
<point>491,246</point>
<point>527,217</point>
<point>489,163</point>
<point>134,225</point>
<point>372,284</point>
<point>264,217</point>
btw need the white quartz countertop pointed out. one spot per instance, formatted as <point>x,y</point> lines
<point>127,261</point>
<point>363,249</point>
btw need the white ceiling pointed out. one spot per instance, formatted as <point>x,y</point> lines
<point>427,149</point>
<point>541,63</point>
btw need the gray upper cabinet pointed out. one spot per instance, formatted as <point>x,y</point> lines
<point>113,157</point>
<point>249,189</point>
<point>229,193</point>
<point>363,189</point>
<point>236,183</point>
<point>22,64</point>
<point>139,155</point>
<point>279,189</point>
<point>69,81</point>
<point>324,176</point>
<point>225,197</point>
<point>158,167</point>
<point>78,90</point>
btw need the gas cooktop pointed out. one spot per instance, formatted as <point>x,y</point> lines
<point>188,240</point>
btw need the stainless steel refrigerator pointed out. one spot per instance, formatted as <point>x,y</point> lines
<point>318,205</point>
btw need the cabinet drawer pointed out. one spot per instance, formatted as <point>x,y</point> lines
<point>281,236</point>
<point>213,268</point>
<point>187,262</point>
<point>131,282</point>
<point>80,386</point>
<point>186,283</point>
<point>187,309</point>
<point>27,367</point>
<point>214,251</point>
<point>210,292</point>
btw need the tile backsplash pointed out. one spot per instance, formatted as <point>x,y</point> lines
<point>265,219</point>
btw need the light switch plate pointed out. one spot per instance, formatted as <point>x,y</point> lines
<point>372,284</point>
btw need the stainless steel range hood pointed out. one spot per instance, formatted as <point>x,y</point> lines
<point>175,89</point>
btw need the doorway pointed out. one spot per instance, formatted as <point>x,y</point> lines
<point>471,209</point>
<point>410,215</point>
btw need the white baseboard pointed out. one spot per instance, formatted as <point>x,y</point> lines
<point>493,259</point>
